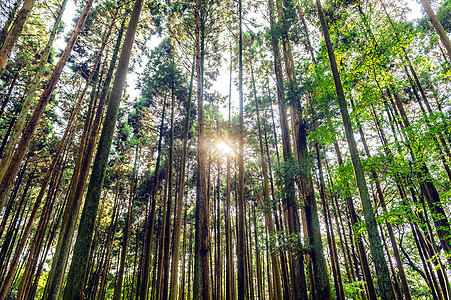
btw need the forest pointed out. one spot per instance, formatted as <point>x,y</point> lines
<point>225,149</point>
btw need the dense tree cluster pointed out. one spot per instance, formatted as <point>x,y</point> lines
<point>323,173</point>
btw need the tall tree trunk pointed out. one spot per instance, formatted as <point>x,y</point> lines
<point>167,227</point>
<point>335,264</point>
<point>402,275</point>
<point>377,251</point>
<point>241,240</point>
<point>266,201</point>
<point>14,33</point>
<point>230,276</point>
<point>144,279</point>
<point>9,21</point>
<point>16,160</point>
<point>57,159</point>
<point>218,258</point>
<point>203,291</point>
<point>298,275</point>
<point>77,186</point>
<point>127,228</point>
<point>29,96</point>
<point>75,277</point>
<point>437,25</point>
<point>181,196</point>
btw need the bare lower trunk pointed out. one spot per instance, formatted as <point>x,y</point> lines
<point>75,277</point>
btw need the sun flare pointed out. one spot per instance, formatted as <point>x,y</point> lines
<point>223,147</point>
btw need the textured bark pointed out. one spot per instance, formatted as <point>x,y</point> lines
<point>29,96</point>
<point>203,289</point>
<point>402,274</point>
<point>14,33</point>
<point>16,160</point>
<point>320,273</point>
<point>9,21</point>
<point>75,277</point>
<point>241,240</point>
<point>36,244</point>
<point>78,182</point>
<point>296,257</point>
<point>57,159</point>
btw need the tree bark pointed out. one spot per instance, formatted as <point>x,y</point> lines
<point>75,277</point>
<point>127,229</point>
<point>377,251</point>
<point>241,240</point>
<point>203,291</point>
<point>437,26</point>
<point>29,96</point>
<point>14,33</point>
<point>16,160</point>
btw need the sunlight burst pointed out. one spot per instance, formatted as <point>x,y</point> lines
<point>223,147</point>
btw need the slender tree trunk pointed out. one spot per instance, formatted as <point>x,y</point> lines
<point>75,277</point>
<point>127,229</point>
<point>241,240</point>
<point>32,124</point>
<point>181,191</point>
<point>12,85</point>
<point>437,25</point>
<point>402,275</point>
<point>14,33</point>
<point>297,275</point>
<point>266,202</point>
<point>203,290</point>
<point>76,190</point>
<point>7,24</point>
<point>167,227</point>
<point>57,159</point>
<point>339,291</point>
<point>218,258</point>
<point>29,96</point>
<point>143,287</point>
<point>230,276</point>
<point>377,252</point>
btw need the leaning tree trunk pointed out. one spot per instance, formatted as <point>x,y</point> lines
<point>75,277</point>
<point>29,96</point>
<point>16,160</point>
<point>377,251</point>
<point>8,22</point>
<point>437,25</point>
<point>14,33</point>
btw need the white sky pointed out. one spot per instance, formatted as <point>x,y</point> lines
<point>222,83</point>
